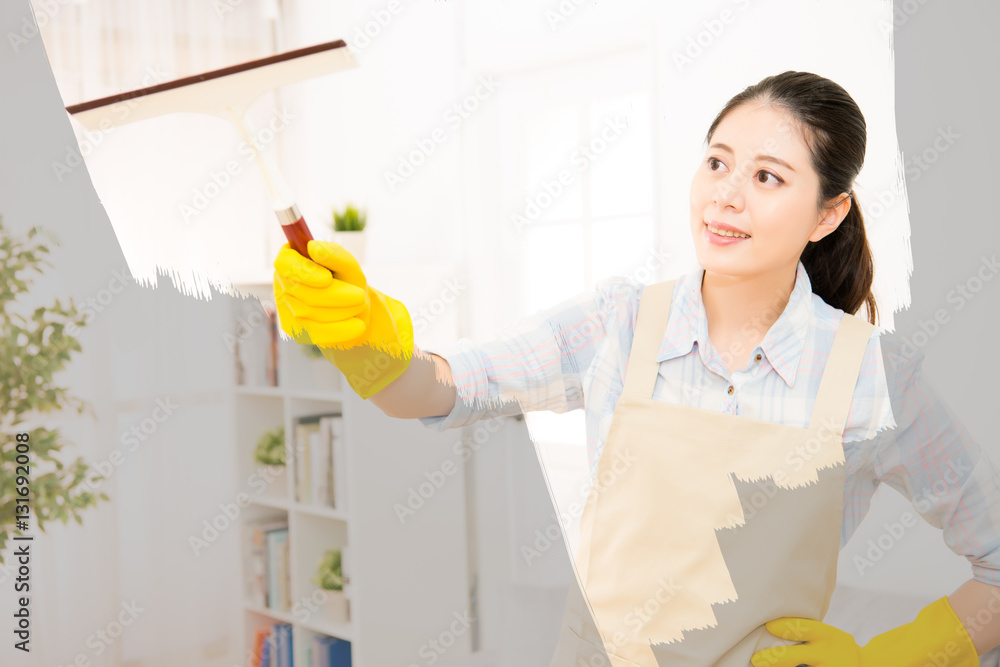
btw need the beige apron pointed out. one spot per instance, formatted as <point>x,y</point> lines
<point>701,526</point>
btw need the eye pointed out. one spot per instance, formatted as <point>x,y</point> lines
<point>711,160</point>
<point>767,173</point>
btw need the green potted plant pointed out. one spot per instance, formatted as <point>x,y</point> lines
<point>33,348</point>
<point>349,230</point>
<point>270,452</point>
<point>330,578</point>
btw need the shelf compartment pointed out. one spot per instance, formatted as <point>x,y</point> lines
<point>256,414</point>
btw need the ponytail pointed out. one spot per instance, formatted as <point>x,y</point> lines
<point>841,267</point>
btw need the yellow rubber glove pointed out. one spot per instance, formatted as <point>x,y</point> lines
<point>366,334</point>
<point>937,637</point>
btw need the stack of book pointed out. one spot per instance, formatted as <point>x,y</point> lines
<point>325,651</point>
<point>267,564</point>
<point>272,646</point>
<point>320,468</point>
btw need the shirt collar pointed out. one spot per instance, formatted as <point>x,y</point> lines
<point>782,345</point>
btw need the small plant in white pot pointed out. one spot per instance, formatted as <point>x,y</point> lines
<point>349,230</point>
<point>270,451</point>
<point>330,578</point>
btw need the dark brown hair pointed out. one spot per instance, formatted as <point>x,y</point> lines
<point>840,265</point>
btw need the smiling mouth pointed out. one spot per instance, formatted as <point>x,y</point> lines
<point>723,232</point>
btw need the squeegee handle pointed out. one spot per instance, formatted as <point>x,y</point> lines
<point>296,230</point>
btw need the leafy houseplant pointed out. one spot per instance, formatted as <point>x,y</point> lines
<point>32,351</point>
<point>348,227</point>
<point>329,576</point>
<point>270,449</point>
<point>350,220</point>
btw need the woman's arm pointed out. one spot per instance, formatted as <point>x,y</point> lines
<point>538,364</point>
<point>977,605</point>
<point>425,389</point>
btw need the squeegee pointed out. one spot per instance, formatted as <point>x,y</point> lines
<point>228,93</point>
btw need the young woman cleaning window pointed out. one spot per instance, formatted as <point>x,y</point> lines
<point>750,376</point>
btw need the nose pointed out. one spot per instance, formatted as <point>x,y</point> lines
<point>729,190</point>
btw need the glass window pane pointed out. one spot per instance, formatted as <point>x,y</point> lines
<point>551,187</point>
<point>554,261</point>
<point>620,156</point>
<point>624,247</point>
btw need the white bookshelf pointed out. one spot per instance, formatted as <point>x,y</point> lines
<point>405,580</point>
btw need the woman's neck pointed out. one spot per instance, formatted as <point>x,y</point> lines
<point>740,310</point>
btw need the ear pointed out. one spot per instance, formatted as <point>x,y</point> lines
<point>832,217</point>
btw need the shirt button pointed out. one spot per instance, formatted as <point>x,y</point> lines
<point>758,357</point>
<point>731,390</point>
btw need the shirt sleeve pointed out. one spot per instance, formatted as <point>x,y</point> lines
<point>933,461</point>
<point>538,364</point>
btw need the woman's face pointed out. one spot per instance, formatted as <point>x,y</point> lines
<point>757,177</point>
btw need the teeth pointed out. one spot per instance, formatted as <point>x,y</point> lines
<point>728,233</point>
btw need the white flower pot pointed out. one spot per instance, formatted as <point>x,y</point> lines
<point>336,607</point>
<point>353,242</point>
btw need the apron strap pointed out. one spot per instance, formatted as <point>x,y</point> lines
<point>836,387</point>
<point>641,368</point>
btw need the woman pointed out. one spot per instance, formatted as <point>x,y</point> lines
<point>751,370</point>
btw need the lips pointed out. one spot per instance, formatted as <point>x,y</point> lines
<point>721,226</point>
<point>723,239</point>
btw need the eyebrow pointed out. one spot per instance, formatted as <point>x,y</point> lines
<point>760,158</point>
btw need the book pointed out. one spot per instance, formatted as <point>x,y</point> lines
<point>283,644</point>
<point>339,447</point>
<point>256,561</point>
<point>277,543</point>
<point>272,348</point>
<point>314,456</point>
<point>333,652</point>
<point>266,660</point>
<point>303,462</point>
<point>323,473</point>
<point>259,638</point>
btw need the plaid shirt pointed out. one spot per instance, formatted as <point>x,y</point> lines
<point>574,354</point>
